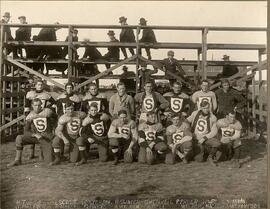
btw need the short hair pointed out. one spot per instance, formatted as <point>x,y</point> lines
<point>205,81</point>
<point>204,103</point>
<point>148,81</point>
<point>69,84</point>
<point>174,115</point>
<point>150,113</point>
<point>39,81</point>
<point>92,84</point>
<point>69,104</point>
<point>93,104</point>
<point>36,100</point>
<point>232,112</point>
<point>225,80</point>
<point>120,84</point>
<point>122,112</point>
<point>179,83</point>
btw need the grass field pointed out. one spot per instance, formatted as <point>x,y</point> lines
<point>98,185</point>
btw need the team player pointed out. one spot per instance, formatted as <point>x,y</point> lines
<point>149,101</point>
<point>95,129</point>
<point>38,127</point>
<point>203,125</point>
<point>230,131</point>
<point>151,139</point>
<point>67,96</point>
<point>179,102</point>
<point>179,140</point>
<point>205,95</point>
<point>93,96</point>
<point>47,101</point>
<point>122,137</point>
<point>67,131</point>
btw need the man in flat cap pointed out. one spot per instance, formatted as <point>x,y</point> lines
<point>74,39</point>
<point>7,31</point>
<point>172,65</point>
<point>113,51</point>
<point>228,69</point>
<point>23,34</point>
<point>126,35</point>
<point>148,36</point>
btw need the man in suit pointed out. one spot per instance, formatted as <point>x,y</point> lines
<point>23,34</point>
<point>113,51</point>
<point>74,39</point>
<point>148,36</point>
<point>172,65</point>
<point>126,35</point>
<point>7,31</point>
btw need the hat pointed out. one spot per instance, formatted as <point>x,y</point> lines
<point>170,53</point>
<point>111,33</point>
<point>124,67</point>
<point>142,21</point>
<point>6,14</point>
<point>225,57</point>
<point>86,40</point>
<point>122,19</point>
<point>143,64</point>
<point>75,31</point>
<point>21,17</point>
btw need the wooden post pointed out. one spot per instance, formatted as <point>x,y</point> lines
<point>260,85</point>
<point>137,59</point>
<point>204,52</point>
<point>70,53</point>
<point>198,73</point>
<point>253,90</point>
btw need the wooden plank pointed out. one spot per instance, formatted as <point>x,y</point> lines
<point>35,73</point>
<point>13,79</point>
<point>11,110</point>
<point>105,72</point>
<point>53,61</point>
<point>237,46</point>
<point>11,123</point>
<point>204,53</point>
<point>70,57</point>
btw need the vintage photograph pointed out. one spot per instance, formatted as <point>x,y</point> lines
<point>133,104</point>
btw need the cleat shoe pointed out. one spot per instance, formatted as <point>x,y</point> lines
<point>14,163</point>
<point>185,161</point>
<point>115,162</point>
<point>83,161</point>
<point>212,162</point>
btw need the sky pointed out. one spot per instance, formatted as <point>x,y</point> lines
<point>173,13</point>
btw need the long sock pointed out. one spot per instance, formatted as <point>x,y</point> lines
<point>18,155</point>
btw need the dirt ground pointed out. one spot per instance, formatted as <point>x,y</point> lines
<point>102,185</point>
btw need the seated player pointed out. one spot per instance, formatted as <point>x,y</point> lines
<point>47,101</point>
<point>93,96</point>
<point>205,95</point>
<point>95,130</point>
<point>230,132</point>
<point>67,96</point>
<point>179,139</point>
<point>179,102</point>
<point>203,125</point>
<point>151,140</point>
<point>122,137</point>
<point>67,132</point>
<point>38,127</point>
<point>149,101</point>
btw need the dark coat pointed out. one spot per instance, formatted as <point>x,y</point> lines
<point>7,31</point>
<point>47,34</point>
<point>92,52</point>
<point>23,34</point>
<point>229,70</point>
<point>113,51</point>
<point>148,35</point>
<point>172,66</point>
<point>127,35</point>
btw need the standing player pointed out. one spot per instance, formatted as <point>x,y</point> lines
<point>179,102</point>
<point>179,139</point>
<point>122,136</point>
<point>151,140</point>
<point>68,96</point>
<point>149,101</point>
<point>95,130</point>
<point>38,127</point>
<point>121,100</point>
<point>93,96</point>
<point>47,101</point>
<point>205,95</point>
<point>230,132</point>
<point>203,125</point>
<point>67,132</point>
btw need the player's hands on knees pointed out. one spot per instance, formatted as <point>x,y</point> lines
<point>38,136</point>
<point>125,136</point>
<point>149,151</point>
<point>129,151</point>
<point>90,140</point>
<point>66,148</point>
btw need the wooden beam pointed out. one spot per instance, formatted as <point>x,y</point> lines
<point>11,110</point>
<point>11,123</point>
<point>105,72</point>
<point>204,53</point>
<point>13,94</point>
<point>35,73</point>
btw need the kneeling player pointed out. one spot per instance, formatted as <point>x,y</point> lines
<point>230,130</point>
<point>37,130</point>
<point>67,133</point>
<point>179,139</point>
<point>151,139</point>
<point>203,125</point>
<point>95,130</point>
<point>122,136</point>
